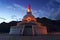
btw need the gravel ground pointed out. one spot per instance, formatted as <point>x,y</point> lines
<point>18,37</point>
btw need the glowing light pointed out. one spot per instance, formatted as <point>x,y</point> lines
<point>28,19</point>
<point>29,10</point>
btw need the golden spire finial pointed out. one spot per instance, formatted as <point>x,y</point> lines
<point>29,9</point>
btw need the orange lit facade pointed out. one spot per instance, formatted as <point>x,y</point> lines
<point>37,28</point>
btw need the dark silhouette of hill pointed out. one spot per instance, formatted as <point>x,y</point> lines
<point>52,25</point>
<point>5,27</point>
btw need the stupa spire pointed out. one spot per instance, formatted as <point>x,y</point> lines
<point>29,8</point>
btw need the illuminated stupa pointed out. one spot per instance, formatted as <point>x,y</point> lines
<point>28,26</point>
<point>29,17</point>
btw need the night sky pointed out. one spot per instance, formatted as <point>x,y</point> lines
<point>15,9</point>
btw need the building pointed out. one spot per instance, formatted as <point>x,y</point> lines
<point>28,26</point>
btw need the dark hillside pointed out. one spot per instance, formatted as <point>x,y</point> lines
<point>52,25</point>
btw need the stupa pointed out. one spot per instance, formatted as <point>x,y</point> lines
<point>28,26</point>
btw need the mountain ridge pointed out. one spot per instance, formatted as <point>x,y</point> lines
<point>52,25</point>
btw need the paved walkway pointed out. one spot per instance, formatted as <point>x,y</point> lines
<point>18,37</point>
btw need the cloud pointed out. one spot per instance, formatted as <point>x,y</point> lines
<point>19,6</point>
<point>58,1</point>
<point>14,17</point>
<point>16,6</point>
<point>51,10</point>
<point>58,14</point>
<point>17,10</point>
<point>13,11</point>
<point>2,18</point>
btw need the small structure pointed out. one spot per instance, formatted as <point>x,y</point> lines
<point>28,26</point>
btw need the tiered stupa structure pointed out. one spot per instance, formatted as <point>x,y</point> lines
<point>28,26</point>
